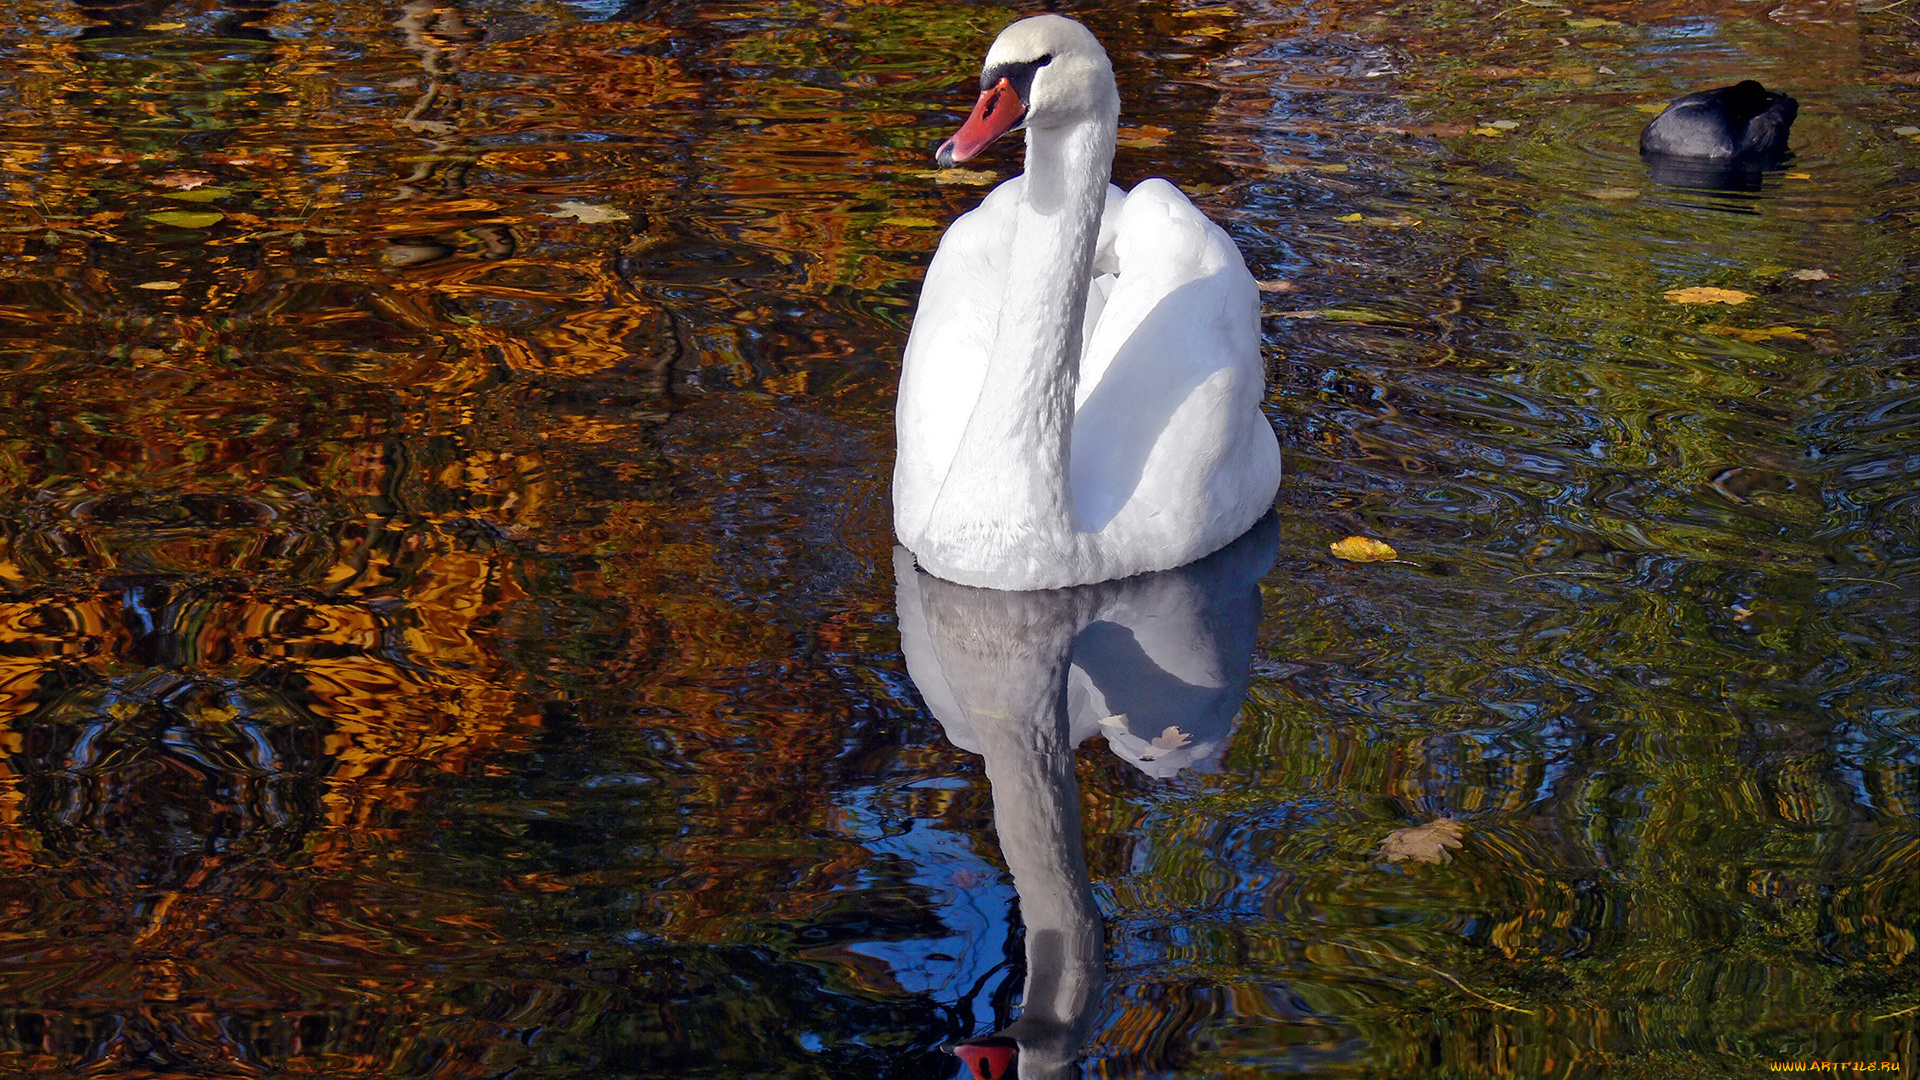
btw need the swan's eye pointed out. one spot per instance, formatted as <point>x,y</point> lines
<point>1018,76</point>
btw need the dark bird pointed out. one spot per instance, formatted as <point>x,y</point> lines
<point>1720,138</point>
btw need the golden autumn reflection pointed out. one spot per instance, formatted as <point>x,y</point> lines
<point>448,627</point>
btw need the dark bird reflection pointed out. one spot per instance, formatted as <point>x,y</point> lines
<point>126,18</point>
<point>1157,663</point>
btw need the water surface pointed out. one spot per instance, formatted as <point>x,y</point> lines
<point>452,629</point>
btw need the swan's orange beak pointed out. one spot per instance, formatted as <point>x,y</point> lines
<point>991,1061</point>
<point>995,114</point>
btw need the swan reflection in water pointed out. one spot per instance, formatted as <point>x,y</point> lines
<point>1156,663</point>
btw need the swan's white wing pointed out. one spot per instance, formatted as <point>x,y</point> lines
<point>1171,452</point>
<point>946,356</point>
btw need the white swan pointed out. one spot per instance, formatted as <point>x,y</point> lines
<point>1080,397</point>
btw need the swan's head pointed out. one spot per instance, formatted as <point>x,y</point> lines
<point>1043,72</point>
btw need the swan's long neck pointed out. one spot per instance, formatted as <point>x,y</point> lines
<point>1005,656</point>
<point>1008,489</point>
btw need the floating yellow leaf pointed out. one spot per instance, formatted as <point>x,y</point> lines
<point>1590,24</point>
<point>1799,176</point>
<point>1346,315</point>
<point>1146,135</point>
<point>200,195</point>
<point>1424,843</point>
<point>1652,106</point>
<point>907,222</point>
<point>158,286</point>
<point>1707,294</point>
<point>972,177</point>
<point>1489,132</point>
<point>188,219</point>
<point>1755,333</point>
<point>1282,168</point>
<point>1362,549</point>
<point>1351,217</point>
<point>1612,194</point>
<point>163,27</point>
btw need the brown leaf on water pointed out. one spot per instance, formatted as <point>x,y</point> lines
<point>589,213</point>
<point>185,181</point>
<point>1707,294</point>
<point>968,177</point>
<point>1334,168</point>
<point>1424,843</point>
<point>1146,135</point>
<point>1362,549</point>
<point>1815,274</point>
<point>1384,222</point>
<point>1276,285</point>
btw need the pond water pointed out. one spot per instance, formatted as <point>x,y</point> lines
<point>451,625</point>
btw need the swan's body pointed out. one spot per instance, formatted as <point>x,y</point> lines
<point>1080,397</point>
